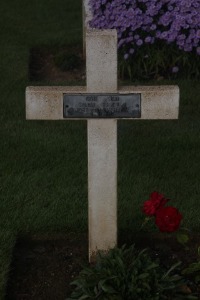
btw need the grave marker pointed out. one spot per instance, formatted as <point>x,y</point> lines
<point>101,103</point>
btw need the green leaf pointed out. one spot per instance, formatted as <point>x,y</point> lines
<point>171,269</point>
<point>197,278</point>
<point>190,297</point>
<point>194,267</point>
<point>152,266</point>
<point>84,297</point>
<point>143,276</point>
<point>108,289</point>
<point>182,238</point>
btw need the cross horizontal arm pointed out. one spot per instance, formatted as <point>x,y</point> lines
<point>157,102</point>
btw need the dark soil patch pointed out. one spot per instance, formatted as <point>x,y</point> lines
<point>62,64</point>
<point>44,266</point>
<point>43,67</point>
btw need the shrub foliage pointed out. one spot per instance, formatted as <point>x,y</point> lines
<point>162,36</point>
<point>125,273</point>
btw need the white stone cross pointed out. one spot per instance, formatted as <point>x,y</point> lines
<point>46,103</point>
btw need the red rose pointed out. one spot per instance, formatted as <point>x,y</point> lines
<point>155,202</point>
<point>168,219</point>
<point>156,196</point>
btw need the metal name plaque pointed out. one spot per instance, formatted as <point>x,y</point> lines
<point>102,105</point>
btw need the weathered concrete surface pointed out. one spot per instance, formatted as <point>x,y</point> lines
<point>101,57</point>
<point>87,16</point>
<point>46,103</point>
<point>102,185</point>
<point>157,102</point>
<point>101,70</point>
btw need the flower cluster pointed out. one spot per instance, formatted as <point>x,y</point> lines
<point>140,22</point>
<point>167,218</point>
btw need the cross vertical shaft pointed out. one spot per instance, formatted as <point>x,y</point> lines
<point>101,62</point>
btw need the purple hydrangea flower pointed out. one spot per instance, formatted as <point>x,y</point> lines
<point>139,42</point>
<point>175,69</point>
<point>131,51</point>
<point>198,50</point>
<point>144,21</point>
<point>148,39</point>
<point>126,56</point>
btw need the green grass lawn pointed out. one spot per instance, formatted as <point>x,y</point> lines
<point>43,169</point>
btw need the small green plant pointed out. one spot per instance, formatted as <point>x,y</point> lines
<point>158,62</point>
<point>125,273</point>
<point>67,61</point>
<point>193,269</point>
